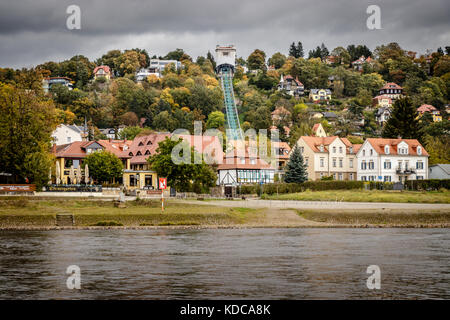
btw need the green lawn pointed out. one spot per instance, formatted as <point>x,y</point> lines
<point>24,212</point>
<point>366,196</point>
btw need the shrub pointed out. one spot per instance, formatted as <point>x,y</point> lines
<point>108,224</point>
<point>430,184</point>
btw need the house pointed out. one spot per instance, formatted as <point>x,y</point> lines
<point>382,101</point>
<point>329,156</point>
<point>281,115</point>
<point>110,133</point>
<point>317,95</point>
<point>160,64</point>
<point>102,72</point>
<point>439,171</point>
<point>330,116</point>
<point>291,86</point>
<point>392,90</point>
<point>315,115</point>
<point>73,154</point>
<point>64,134</point>
<point>318,130</point>
<point>382,115</point>
<point>47,83</point>
<point>141,176</point>
<point>392,160</point>
<point>143,73</point>
<point>281,157</point>
<point>359,63</point>
<point>248,167</point>
<point>432,110</point>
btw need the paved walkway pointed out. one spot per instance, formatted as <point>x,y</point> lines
<point>326,205</point>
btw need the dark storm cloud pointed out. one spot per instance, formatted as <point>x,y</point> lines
<point>32,32</point>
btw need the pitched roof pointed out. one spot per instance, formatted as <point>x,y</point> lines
<point>382,97</point>
<point>315,142</point>
<point>77,149</point>
<point>444,167</point>
<point>379,143</point>
<point>233,160</point>
<point>105,68</point>
<point>145,146</point>
<point>426,108</point>
<point>391,85</point>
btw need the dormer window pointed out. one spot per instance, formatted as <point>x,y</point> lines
<point>386,149</point>
<point>141,144</point>
<point>419,150</point>
<point>149,142</point>
<point>139,153</point>
<point>130,154</point>
<point>371,152</point>
<point>321,148</point>
<point>147,152</point>
<point>351,149</point>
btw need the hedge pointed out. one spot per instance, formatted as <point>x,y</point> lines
<point>431,184</point>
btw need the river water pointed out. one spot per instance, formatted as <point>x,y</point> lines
<point>226,264</point>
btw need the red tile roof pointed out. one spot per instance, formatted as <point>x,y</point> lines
<point>77,149</point>
<point>426,108</point>
<point>105,68</point>
<point>145,146</point>
<point>391,85</point>
<point>232,160</point>
<point>379,143</point>
<point>315,142</point>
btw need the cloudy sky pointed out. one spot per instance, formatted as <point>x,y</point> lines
<point>34,31</point>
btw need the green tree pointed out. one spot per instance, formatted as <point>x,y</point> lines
<point>129,133</point>
<point>216,120</point>
<point>185,176</point>
<point>26,124</point>
<point>403,122</point>
<point>295,168</point>
<point>277,60</point>
<point>104,166</point>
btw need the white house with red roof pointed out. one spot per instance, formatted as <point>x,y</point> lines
<point>391,90</point>
<point>359,63</point>
<point>102,72</point>
<point>392,160</point>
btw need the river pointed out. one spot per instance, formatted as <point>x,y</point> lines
<point>226,263</point>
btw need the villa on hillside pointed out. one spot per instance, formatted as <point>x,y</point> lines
<point>427,108</point>
<point>392,160</point>
<point>102,72</point>
<point>391,90</point>
<point>359,63</point>
<point>291,86</point>
<point>48,83</point>
<point>68,133</point>
<point>318,95</point>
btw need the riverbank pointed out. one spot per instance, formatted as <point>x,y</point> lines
<point>366,196</point>
<point>22,213</point>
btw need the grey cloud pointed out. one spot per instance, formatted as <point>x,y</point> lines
<point>33,32</point>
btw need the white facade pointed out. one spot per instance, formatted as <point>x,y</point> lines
<point>226,55</point>
<point>65,134</point>
<point>389,166</point>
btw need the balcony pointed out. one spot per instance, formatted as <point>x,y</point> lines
<point>405,171</point>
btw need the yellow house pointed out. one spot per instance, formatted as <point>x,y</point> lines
<point>429,108</point>
<point>318,95</point>
<point>72,155</point>
<point>102,72</point>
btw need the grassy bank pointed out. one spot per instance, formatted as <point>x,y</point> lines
<point>366,196</point>
<point>21,212</point>
<point>397,218</point>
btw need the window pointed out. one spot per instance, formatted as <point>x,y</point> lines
<point>351,163</point>
<point>334,149</point>
<point>387,178</point>
<point>334,162</point>
<point>130,154</point>
<point>387,164</point>
<point>351,149</point>
<point>147,152</point>
<point>302,149</point>
<point>351,176</point>
<point>306,161</point>
<point>363,178</point>
<point>371,165</point>
<point>340,149</point>
<point>419,165</point>
<point>133,180</point>
<point>419,177</point>
<point>340,176</point>
<point>252,161</point>
<point>69,139</point>
<point>341,162</point>
<point>322,160</point>
<point>140,144</point>
<point>371,152</point>
<point>242,160</point>
<point>419,150</point>
<point>321,148</point>
<point>139,153</point>
<point>364,153</point>
<point>386,149</point>
<point>363,165</point>
<point>149,142</point>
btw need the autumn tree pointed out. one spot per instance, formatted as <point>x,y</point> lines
<point>257,60</point>
<point>104,166</point>
<point>26,125</point>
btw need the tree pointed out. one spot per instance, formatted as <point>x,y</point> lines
<point>403,122</point>
<point>104,166</point>
<point>300,52</point>
<point>277,60</point>
<point>257,60</point>
<point>293,50</point>
<point>129,133</point>
<point>184,176</point>
<point>295,169</point>
<point>216,120</point>
<point>26,125</point>
<point>175,55</point>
